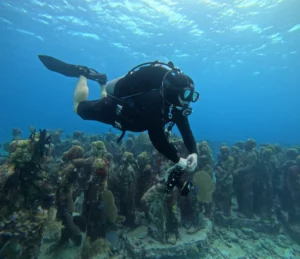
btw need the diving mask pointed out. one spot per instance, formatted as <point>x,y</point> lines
<point>189,95</point>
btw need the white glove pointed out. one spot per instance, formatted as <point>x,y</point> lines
<point>183,163</point>
<point>192,162</point>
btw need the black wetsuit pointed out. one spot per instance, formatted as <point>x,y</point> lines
<point>144,111</point>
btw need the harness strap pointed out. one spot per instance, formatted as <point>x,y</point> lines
<point>119,118</point>
<point>121,137</point>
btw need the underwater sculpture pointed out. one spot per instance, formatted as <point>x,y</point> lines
<point>245,177</point>
<point>97,214</point>
<point>263,197</point>
<point>205,159</point>
<point>65,208</point>
<point>25,191</point>
<point>125,186</point>
<point>224,181</point>
<point>293,192</point>
<point>145,176</point>
<point>84,170</point>
<point>291,156</point>
<point>154,206</point>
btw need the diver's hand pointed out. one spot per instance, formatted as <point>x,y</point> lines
<point>192,161</point>
<point>183,163</point>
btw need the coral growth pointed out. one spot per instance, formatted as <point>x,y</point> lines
<point>267,153</point>
<point>143,159</point>
<point>292,153</point>
<point>98,148</point>
<point>204,186</point>
<point>250,144</point>
<point>127,157</point>
<point>73,153</point>
<point>205,159</point>
<point>109,205</point>
<point>21,151</point>
<point>99,167</point>
<point>78,135</point>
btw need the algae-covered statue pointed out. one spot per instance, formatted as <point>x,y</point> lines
<point>264,183</point>
<point>245,178</point>
<point>25,192</point>
<point>224,181</point>
<point>293,192</point>
<point>125,186</point>
<point>86,178</point>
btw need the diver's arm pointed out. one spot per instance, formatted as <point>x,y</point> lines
<point>183,125</point>
<point>161,143</point>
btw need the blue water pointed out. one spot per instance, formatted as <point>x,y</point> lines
<point>244,57</point>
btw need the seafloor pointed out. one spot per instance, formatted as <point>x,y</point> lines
<point>217,242</point>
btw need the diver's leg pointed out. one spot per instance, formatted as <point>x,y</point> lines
<point>81,92</point>
<point>102,110</point>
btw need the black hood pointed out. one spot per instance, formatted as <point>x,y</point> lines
<point>173,85</point>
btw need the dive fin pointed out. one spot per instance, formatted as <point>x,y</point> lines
<point>59,66</point>
<point>71,70</point>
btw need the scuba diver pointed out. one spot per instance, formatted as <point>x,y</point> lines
<point>149,97</point>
